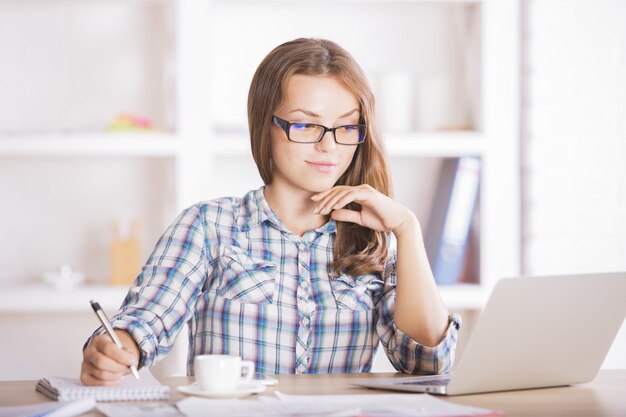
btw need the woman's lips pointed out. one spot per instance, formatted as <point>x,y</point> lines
<point>322,166</point>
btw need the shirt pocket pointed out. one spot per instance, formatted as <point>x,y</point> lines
<point>245,279</point>
<point>356,293</point>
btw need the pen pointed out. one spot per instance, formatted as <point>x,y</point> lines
<point>107,326</point>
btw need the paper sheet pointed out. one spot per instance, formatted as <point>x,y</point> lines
<point>141,410</point>
<point>49,409</point>
<point>382,405</point>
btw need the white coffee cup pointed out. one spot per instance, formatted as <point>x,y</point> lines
<point>219,374</point>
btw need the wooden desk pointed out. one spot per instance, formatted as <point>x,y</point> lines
<point>605,396</point>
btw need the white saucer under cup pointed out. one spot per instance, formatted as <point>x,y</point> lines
<point>242,390</point>
<point>222,374</point>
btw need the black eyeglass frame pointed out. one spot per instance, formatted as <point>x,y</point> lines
<point>286,126</point>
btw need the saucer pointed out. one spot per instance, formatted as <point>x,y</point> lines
<point>242,390</point>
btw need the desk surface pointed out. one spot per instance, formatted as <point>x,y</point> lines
<point>605,396</point>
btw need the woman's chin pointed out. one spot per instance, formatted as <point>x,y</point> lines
<point>319,187</point>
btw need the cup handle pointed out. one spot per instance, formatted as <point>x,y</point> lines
<point>247,368</point>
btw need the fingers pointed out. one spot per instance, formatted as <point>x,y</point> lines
<point>115,357</point>
<point>90,375</point>
<point>331,202</point>
<point>104,363</point>
<point>344,215</point>
<point>321,195</point>
<point>339,197</point>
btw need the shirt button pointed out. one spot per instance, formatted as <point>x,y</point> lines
<point>301,368</point>
<point>301,246</point>
<point>304,285</point>
<point>305,321</point>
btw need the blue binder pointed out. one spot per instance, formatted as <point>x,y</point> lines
<point>451,218</point>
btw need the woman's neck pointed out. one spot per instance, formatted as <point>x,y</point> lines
<point>294,208</point>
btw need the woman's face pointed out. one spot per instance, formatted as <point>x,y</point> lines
<point>313,167</point>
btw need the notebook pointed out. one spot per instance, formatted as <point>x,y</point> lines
<point>130,389</point>
<point>535,332</point>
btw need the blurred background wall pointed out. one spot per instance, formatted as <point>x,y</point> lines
<point>574,140</point>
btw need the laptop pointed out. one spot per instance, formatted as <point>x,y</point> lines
<point>535,332</point>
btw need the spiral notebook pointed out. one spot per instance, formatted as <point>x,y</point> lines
<point>130,389</point>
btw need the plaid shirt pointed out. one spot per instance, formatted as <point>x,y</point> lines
<point>247,286</point>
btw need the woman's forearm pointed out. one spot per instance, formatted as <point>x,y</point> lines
<point>419,312</point>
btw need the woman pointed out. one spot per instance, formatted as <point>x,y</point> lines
<point>307,273</point>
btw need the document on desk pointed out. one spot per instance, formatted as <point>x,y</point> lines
<point>139,410</point>
<point>49,409</point>
<point>380,405</point>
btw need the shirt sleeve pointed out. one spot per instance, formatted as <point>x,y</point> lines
<point>161,299</point>
<point>404,353</point>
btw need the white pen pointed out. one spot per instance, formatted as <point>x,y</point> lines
<point>107,326</point>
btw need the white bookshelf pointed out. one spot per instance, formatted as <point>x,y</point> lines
<point>414,144</point>
<point>435,145</point>
<point>98,144</point>
<point>209,51</point>
<point>40,298</point>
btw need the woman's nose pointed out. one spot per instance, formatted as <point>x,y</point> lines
<point>327,144</point>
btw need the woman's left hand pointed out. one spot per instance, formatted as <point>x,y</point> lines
<point>378,211</point>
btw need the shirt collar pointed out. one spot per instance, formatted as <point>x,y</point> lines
<point>256,210</point>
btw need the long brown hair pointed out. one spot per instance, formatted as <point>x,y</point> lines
<point>357,250</point>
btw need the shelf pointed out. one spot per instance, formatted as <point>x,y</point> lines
<point>435,144</point>
<point>40,298</point>
<point>353,1</point>
<point>96,144</point>
<point>439,144</point>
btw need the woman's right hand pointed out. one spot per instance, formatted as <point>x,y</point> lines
<point>104,363</point>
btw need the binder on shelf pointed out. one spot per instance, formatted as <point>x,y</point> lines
<point>470,273</point>
<point>451,217</point>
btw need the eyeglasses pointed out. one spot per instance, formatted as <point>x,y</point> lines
<point>312,133</point>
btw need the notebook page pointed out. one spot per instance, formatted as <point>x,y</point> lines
<point>65,389</point>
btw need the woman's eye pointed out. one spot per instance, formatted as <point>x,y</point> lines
<point>302,126</point>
